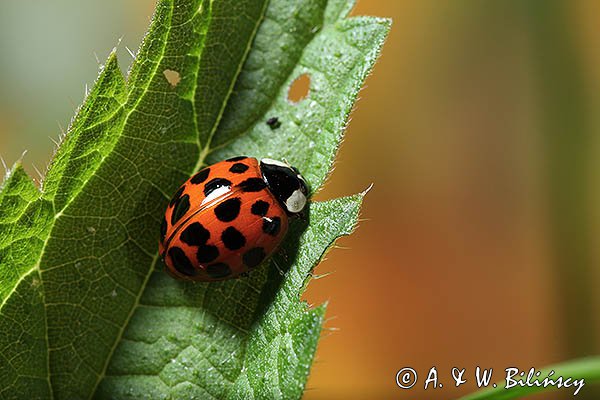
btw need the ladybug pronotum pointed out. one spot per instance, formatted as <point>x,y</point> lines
<point>228,218</point>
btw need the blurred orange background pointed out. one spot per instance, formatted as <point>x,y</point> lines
<point>477,129</point>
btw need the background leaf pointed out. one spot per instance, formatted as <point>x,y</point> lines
<point>207,77</point>
<point>587,369</point>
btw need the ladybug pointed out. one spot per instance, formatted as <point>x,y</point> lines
<point>228,218</point>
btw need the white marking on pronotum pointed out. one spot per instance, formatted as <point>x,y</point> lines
<point>270,161</point>
<point>296,202</point>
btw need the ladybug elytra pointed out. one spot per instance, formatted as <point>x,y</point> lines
<point>228,218</point>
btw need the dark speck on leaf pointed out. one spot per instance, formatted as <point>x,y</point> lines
<point>274,123</point>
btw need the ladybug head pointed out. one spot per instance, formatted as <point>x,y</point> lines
<point>286,184</point>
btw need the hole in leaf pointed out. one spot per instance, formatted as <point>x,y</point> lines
<point>172,77</point>
<point>300,89</point>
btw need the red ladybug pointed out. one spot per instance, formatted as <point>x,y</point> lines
<point>229,217</point>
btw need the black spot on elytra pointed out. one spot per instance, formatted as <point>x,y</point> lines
<point>260,208</point>
<point>218,270</point>
<point>207,253</point>
<point>271,226</point>
<point>200,176</point>
<point>253,185</point>
<point>214,184</point>
<point>228,210</point>
<point>238,168</point>
<point>163,229</point>
<point>233,239</point>
<point>180,262</point>
<point>254,257</point>
<point>177,195</point>
<point>238,158</point>
<point>273,123</point>
<point>195,234</point>
<point>181,207</point>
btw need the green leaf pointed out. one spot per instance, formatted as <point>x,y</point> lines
<point>86,306</point>
<point>246,338</point>
<point>587,369</point>
<point>24,223</point>
<point>310,37</point>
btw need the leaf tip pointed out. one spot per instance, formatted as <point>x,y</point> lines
<point>318,312</point>
<point>387,22</point>
<point>322,307</point>
<point>15,172</point>
<point>112,60</point>
<point>17,166</point>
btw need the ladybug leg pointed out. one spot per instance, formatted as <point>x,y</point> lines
<point>283,255</point>
<point>278,268</point>
<point>303,215</point>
